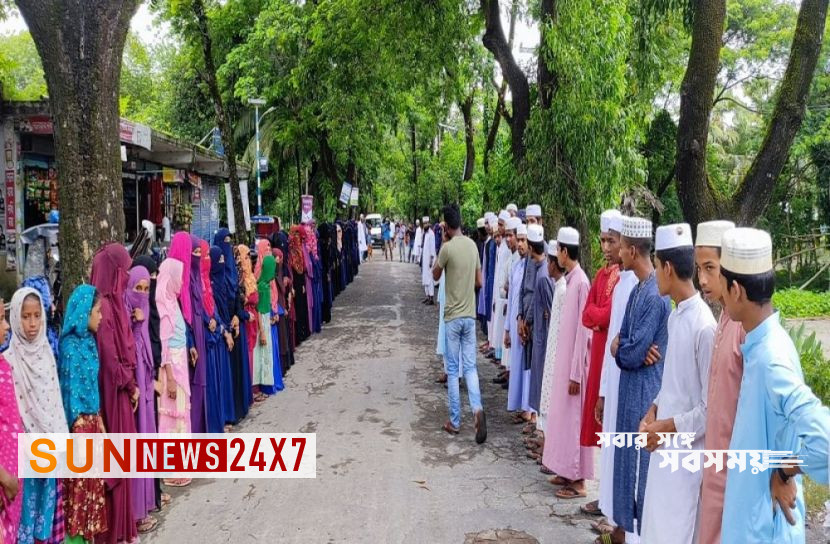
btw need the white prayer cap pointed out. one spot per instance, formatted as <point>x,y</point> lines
<point>553,248</point>
<point>417,221</point>
<point>610,219</point>
<point>535,233</point>
<point>504,215</point>
<point>480,223</point>
<point>568,236</point>
<point>533,210</point>
<point>425,219</point>
<point>673,236</point>
<point>521,230</point>
<point>746,251</point>
<point>710,233</point>
<point>636,227</point>
<point>512,208</point>
<point>512,223</point>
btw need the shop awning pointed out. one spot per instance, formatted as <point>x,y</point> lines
<point>172,152</point>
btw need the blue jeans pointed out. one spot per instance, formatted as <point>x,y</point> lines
<point>460,350</point>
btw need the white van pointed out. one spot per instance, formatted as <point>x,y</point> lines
<point>373,222</point>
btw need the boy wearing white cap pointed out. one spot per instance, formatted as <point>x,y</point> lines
<point>637,350</point>
<point>596,317</point>
<point>605,410</point>
<point>533,213</point>
<point>537,319</point>
<point>503,254</point>
<point>560,286</point>
<point>513,210</point>
<point>500,294</point>
<point>419,241</point>
<point>563,454</point>
<point>428,255</point>
<point>488,271</point>
<point>776,410</point>
<point>725,374</point>
<point>519,381</point>
<point>680,406</point>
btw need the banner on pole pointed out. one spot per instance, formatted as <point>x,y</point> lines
<point>307,215</point>
<point>243,190</point>
<point>353,200</point>
<point>345,192</point>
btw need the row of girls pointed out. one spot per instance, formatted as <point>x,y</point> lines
<point>185,346</point>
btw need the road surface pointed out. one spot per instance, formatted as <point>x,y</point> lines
<point>386,472</point>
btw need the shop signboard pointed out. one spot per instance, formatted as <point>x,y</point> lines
<point>128,131</point>
<point>345,192</point>
<point>307,215</point>
<point>135,133</point>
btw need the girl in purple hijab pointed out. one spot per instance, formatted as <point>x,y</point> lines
<point>198,369</point>
<point>137,302</point>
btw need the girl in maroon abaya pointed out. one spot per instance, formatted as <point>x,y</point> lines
<point>116,379</point>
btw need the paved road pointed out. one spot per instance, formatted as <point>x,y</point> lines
<point>386,472</point>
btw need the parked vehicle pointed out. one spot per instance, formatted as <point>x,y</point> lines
<point>373,222</point>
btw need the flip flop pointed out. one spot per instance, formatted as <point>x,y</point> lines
<point>569,492</point>
<point>166,499</point>
<point>591,508</point>
<point>147,525</point>
<point>545,470</point>
<point>559,480</point>
<point>604,538</point>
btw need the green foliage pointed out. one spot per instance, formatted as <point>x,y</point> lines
<point>795,303</point>
<point>21,73</point>
<point>815,365</point>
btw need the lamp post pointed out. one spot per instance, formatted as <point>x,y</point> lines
<point>257,102</point>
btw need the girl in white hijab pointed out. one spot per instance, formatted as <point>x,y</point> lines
<point>41,408</point>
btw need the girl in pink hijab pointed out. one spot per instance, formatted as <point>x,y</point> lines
<point>174,400</point>
<point>181,249</point>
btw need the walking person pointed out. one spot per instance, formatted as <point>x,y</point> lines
<point>400,239</point>
<point>459,261</point>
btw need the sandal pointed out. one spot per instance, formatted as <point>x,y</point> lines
<point>602,527</point>
<point>166,499</point>
<point>545,470</point>
<point>534,455</point>
<point>178,482</point>
<point>260,397</point>
<point>591,508</point>
<point>559,480</point>
<point>529,428</point>
<point>604,538</point>
<point>569,492</point>
<point>518,418</point>
<point>147,525</point>
<point>450,429</point>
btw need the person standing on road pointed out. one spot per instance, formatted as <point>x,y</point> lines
<point>458,260</point>
<point>427,262</point>
<point>401,246</point>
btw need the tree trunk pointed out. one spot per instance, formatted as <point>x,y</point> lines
<point>413,142</point>
<point>469,139</point>
<point>222,118</point>
<point>546,78</point>
<point>80,43</point>
<point>756,189</point>
<point>696,95</point>
<point>497,44</point>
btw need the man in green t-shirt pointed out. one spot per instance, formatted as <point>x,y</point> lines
<point>458,260</point>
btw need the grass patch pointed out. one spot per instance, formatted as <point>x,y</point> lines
<point>797,303</point>
<point>815,495</point>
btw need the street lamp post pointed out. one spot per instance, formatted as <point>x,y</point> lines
<point>257,102</point>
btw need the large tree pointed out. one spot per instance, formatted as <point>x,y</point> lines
<point>80,43</point>
<point>699,199</point>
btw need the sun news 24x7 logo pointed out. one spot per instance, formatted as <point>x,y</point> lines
<point>237,455</point>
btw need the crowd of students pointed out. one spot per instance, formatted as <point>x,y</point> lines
<point>185,345</point>
<point>639,350</point>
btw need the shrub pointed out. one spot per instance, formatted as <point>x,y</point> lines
<point>797,303</point>
<point>815,366</point>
